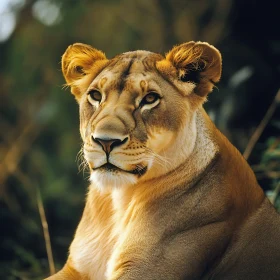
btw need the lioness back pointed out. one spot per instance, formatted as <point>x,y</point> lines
<point>170,198</point>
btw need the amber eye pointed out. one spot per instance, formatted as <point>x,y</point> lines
<point>150,98</point>
<point>95,95</point>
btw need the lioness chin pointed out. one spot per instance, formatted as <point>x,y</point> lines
<point>170,198</point>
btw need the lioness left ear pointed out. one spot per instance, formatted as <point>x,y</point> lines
<point>77,62</point>
<point>197,62</point>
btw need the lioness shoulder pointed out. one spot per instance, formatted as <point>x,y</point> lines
<point>170,198</point>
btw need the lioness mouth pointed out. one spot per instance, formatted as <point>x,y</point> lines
<point>109,167</point>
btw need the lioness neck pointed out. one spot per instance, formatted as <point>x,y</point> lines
<point>187,161</point>
<point>192,164</point>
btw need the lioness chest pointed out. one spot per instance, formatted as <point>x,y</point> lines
<point>100,236</point>
<point>95,238</point>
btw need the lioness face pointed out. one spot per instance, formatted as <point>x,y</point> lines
<point>128,119</point>
<point>138,108</point>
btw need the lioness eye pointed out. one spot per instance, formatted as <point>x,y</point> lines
<point>95,95</point>
<point>150,98</point>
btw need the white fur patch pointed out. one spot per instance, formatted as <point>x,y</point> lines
<point>105,180</point>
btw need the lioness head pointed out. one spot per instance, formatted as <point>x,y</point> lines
<point>138,109</point>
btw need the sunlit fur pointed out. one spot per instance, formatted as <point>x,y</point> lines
<point>178,200</point>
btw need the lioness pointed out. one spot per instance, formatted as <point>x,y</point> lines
<point>170,197</point>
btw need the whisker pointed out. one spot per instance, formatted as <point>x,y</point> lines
<point>82,164</point>
<point>159,162</point>
<point>164,161</point>
<point>156,160</point>
<point>174,169</point>
<point>139,168</point>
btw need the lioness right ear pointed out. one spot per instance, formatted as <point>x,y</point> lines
<point>198,63</point>
<point>77,62</point>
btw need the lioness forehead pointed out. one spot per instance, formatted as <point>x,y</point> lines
<point>139,55</point>
<point>127,68</point>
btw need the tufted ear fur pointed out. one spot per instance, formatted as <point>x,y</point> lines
<point>197,62</point>
<point>79,63</point>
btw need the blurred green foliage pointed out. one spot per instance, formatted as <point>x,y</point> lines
<point>39,129</point>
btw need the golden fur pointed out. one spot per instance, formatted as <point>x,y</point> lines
<point>177,200</point>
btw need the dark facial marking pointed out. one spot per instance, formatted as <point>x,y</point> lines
<point>124,75</point>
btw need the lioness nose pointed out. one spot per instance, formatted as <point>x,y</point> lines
<point>109,144</point>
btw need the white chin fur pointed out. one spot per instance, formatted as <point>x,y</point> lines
<point>106,180</point>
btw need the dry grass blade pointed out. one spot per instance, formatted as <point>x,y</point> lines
<point>258,132</point>
<point>46,232</point>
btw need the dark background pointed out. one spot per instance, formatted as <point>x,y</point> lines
<point>39,130</point>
